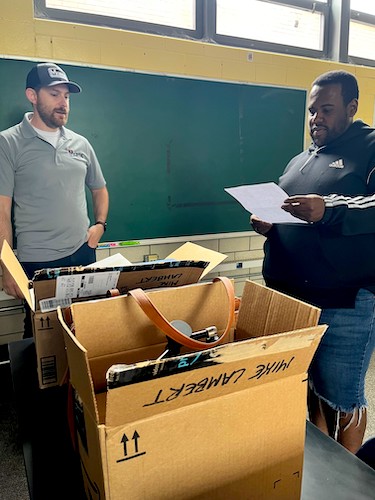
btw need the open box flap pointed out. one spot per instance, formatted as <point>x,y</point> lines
<point>170,274</point>
<point>220,371</point>
<point>74,281</point>
<point>264,311</point>
<point>10,261</point>
<point>193,251</point>
<point>79,368</point>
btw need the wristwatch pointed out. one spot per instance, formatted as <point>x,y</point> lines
<point>104,224</point>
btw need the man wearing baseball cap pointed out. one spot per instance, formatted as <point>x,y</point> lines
<point>44,170</point>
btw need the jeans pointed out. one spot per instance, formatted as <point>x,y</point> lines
<point>338,370</point>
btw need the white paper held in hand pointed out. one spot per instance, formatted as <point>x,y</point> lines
<point>264,200</point>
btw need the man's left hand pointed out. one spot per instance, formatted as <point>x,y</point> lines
<point>94,234</point>
<point>310,207</point>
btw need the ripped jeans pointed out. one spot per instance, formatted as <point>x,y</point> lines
<point>338,370</point>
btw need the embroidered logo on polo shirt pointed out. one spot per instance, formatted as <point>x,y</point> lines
<point>337,164</point>
<point>74,153</point>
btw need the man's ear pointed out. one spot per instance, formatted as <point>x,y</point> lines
<point>31,95</point>
<point>353,107</point>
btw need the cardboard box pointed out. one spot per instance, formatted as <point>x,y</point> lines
<point>231,426</point>
<point>43,297</point>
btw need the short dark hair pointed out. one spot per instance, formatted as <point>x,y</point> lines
<point>348,82</point>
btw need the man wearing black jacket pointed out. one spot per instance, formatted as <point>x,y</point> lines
<point>330,261</point>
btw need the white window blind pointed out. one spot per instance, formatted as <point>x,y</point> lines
<point>174,13</point>
<point>362,30</point>
<point>270,22</point>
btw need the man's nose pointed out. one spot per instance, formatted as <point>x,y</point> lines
<point>63,102</point>
<point>316,117</point>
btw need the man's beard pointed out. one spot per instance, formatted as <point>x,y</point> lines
<point>50,119</point>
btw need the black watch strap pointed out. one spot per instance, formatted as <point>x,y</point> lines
<point>104,224</point>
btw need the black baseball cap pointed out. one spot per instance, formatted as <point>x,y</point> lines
<point>48,75</point>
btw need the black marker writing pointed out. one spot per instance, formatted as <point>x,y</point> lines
<point>266,369</point>
<point>205,384</point>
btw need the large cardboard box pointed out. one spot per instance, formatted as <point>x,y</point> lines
<point>52,288</point>
<point>227,422</point>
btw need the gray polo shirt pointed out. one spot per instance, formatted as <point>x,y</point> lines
<point>48,188</point>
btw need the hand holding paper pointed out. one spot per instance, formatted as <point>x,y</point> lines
<point>265,201</point>
<point>310,207</point>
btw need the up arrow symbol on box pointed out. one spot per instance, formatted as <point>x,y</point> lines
<point>135,439</point>
<point>124,441</point>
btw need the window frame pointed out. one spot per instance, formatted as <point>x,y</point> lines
<point>41,11</point>
<point>362,17</point>
<point>276,47</point>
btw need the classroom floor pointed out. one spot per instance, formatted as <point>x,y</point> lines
<point>13,483</point>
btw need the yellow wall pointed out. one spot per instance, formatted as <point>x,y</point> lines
<point>22,36</point>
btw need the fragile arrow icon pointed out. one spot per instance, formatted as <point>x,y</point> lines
<point>124,441</point>
<point>136,454</point>
<point>135,439</point>
<point>42,320</point>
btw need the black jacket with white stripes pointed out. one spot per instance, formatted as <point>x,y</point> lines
<point>326,263</point>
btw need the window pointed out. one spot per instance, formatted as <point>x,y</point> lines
<point>342,30</point>
<point>294,26</point>
<point>168,17</point>
<point>362,31</point>
<point>165,12</point>
<point>272,22</point>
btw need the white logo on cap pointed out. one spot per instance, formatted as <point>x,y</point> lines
<point>56,73</point>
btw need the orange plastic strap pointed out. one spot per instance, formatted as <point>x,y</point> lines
<point>163,324</point>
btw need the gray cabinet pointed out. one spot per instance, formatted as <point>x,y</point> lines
<point>12,314</point>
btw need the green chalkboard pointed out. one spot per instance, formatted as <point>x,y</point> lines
<point>168,146</point>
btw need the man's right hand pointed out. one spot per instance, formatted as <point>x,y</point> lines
<point>260,226</point>
<point>10,287</point>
